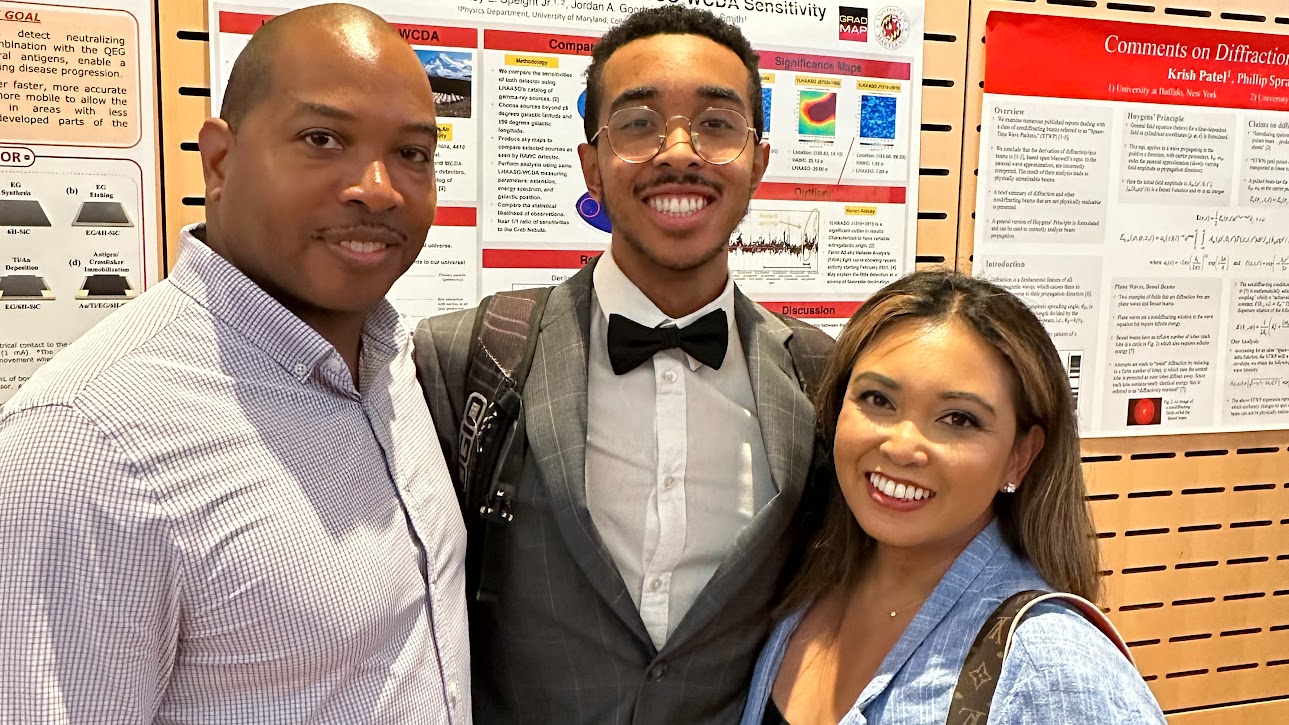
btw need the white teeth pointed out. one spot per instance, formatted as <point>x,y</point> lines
<point>677,205</point>
<point>905,492</point>
<point>363,247</point>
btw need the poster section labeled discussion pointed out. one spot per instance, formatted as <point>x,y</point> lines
<point>835,219</point>
<point>78,188</point>
<point>1134,190</point>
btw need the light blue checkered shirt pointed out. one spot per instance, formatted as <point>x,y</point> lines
<point>1061,668</point>
<point>203,521</point>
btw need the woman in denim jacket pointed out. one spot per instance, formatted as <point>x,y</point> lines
<point>958,484</point>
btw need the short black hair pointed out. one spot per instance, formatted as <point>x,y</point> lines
<point>671,20</point>
<point>251,79</point>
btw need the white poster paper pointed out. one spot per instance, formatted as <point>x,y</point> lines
<point>78,172</point>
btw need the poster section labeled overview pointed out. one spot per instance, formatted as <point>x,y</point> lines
<point>834,220</point>
<point>1134,190</point>
<point>78,181</point>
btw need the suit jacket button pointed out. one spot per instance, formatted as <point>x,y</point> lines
<point>657,672</point>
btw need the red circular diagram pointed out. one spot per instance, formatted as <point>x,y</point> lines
<point>1143,413</point>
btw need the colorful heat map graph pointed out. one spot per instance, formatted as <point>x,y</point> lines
<point>818,114</point>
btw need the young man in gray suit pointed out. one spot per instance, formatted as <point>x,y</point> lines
<point>668,437</point>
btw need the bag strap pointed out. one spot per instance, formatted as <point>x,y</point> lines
<point>490,447</point>
<point>973,696</point>
<point>501,355</point>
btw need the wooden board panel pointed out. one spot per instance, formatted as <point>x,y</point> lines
<point>944,70</point>
<point>1263,712</point>
<point>185,104</point>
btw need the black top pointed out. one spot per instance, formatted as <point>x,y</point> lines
<point>772,714</point>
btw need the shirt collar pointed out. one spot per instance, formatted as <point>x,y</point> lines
<point>234,299</point>
<point>618,295</point>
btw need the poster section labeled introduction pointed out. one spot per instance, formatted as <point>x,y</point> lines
<point>78,182</point>
<point>1135,192</point>
<point>834,220</point>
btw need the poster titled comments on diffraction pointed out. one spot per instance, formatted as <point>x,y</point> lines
<point>1134,190</point>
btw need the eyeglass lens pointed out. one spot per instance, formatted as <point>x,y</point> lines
<point>638,134</point>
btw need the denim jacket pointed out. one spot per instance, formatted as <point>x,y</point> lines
<point>1061,668</point>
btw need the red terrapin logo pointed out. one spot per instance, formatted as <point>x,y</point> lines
<point>892,27</point>
<point>852,24</point>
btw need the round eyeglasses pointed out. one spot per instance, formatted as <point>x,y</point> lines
<point>636,135</point>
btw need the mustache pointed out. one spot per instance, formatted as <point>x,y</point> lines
<point>370,231</point>
<point>688,179</point>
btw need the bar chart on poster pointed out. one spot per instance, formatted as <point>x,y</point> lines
<point>834,220</point>
<point>78,221</point>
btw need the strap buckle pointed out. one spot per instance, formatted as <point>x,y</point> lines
<point>496,508</point>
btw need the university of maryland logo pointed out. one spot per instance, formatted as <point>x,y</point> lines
<point>892,27</point>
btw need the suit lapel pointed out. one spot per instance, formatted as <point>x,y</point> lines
<point>555,401</point>
<point>786,415</point>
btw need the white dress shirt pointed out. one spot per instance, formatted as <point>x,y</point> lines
<point>204,521</point>
<point>675,463</point>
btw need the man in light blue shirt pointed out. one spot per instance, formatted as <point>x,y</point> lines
<point>225,502</point>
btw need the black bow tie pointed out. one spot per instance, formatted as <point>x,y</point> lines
<point>631,343</point>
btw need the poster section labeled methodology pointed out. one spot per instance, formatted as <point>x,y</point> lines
<point>78,182</point>
<point>834,220</point>
<point>1134,190</point>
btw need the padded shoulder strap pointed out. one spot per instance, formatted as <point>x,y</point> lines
<point>503,328</point>
<point>491,444</point>
<point>501,355</point>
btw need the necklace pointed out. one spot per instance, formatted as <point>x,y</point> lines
<point>906,606</point>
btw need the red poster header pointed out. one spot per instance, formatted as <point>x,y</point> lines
<point>456,216</point>
<point>437,35</point>
<point>1038,55</point>
<point>538,42</point>
<point>794,62</point>
<point>243,23</point>
<point>815,310</point>
<point>538,258</point>
<point>832,192</point>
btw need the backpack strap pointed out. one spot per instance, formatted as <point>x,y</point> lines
<point>490,446</point>
<point>973,696</point>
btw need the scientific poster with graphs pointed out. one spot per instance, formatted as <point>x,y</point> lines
<point>835,220</point>
<point>1134,190</point>
<point>78,172</point>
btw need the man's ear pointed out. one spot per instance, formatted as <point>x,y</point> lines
<point>215,140</point>
<point>590,158</point>
<point>760,162</point>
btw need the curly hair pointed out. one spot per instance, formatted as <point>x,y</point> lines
<point>671,20</point>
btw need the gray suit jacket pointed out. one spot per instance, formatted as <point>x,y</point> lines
<point>564,643</point>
